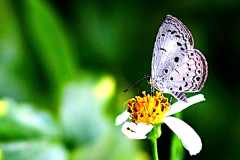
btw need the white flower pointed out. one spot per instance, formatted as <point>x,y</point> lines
<point>138,128</point>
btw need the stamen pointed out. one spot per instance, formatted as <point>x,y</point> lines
<point>149,109</point>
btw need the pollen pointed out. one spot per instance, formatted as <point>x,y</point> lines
<point>149,109</point>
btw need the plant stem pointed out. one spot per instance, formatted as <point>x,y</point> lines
<point>154,149</point>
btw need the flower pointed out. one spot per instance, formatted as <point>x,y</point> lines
<point>145,112</point>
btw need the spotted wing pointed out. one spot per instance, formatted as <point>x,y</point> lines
<point>190,76</point>
<point>173,38</point>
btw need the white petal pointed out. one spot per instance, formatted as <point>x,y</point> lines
<point>144,128</point>
<point>181,105</point>
<point>122,118</point>
<point>136,130</point>
<point>190,139</point>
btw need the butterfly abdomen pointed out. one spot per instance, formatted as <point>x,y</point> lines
<point>180,95</point>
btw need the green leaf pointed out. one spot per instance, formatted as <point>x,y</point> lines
<point>22,121</point>
<point>15,80</point>
<point>177,150</point>
<point>33,150</point>
<point>48,36</point>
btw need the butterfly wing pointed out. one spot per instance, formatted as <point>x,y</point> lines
<point>173,37</point>
<point>190,76</point>
<point>176,66</point>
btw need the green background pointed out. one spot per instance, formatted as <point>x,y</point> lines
<point>64,65</point>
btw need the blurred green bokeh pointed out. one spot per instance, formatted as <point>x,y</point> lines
<point>64,65</point>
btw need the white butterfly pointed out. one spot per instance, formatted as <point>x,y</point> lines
<point>176,66</point>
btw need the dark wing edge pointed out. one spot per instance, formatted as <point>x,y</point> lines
<point>181,95</point>
<point>205,69</point>
<point>186,30</point>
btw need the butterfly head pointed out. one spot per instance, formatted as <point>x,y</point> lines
<point>156,84</point>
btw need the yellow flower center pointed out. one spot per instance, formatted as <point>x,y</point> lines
<point>148,109</point>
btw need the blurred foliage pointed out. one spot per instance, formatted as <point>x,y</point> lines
<point>12,57</point>
<point>22,121</point>
<point>55,51</point>
<point>34,150</point>
<point>64,65</point>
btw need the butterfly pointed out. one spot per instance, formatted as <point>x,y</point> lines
<point>177,67</point>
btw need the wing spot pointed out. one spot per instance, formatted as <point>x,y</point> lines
<point>173,32</point>
<point>163,49</point>
<point>163,35</point>
<point>179,44</point>
<point>189,69</point>
<point>176,59</point>
<point>191,54</point>
<point>190,41</point>
<point>171,78</point>
<point>178,36</point>
<point>186,84</point>
<point>169,30</point>
<point>166,70</point>
<point>198,78</point>
<point>182,49</point>
<point>199,71</point>
<point>180,88</point>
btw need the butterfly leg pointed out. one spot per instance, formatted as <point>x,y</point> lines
<point>152,90</point>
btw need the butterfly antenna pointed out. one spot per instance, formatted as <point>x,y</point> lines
<point>136,83</point>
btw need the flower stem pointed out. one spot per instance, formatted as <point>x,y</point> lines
<point>154,149</point>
